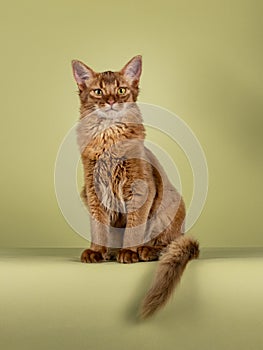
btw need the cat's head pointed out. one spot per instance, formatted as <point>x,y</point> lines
<point>108,92</point>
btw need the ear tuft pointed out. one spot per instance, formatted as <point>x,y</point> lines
<point>133,69</point>
<point>81,72</point>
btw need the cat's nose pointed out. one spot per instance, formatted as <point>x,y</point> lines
<point>110,102</point>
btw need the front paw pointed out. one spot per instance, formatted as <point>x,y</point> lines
<point>127,256</point>
<point>91,256</point>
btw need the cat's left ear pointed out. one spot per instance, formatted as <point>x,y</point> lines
<point>133,69</point>
<point>82,73</point>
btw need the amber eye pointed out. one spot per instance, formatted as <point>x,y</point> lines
<point>98,92</point>
<point>121,91</point>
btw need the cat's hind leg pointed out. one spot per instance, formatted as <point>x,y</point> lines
<point>142,253</point>
<point>95,254</point>
<point>91,256</point>
<point>149,253</point>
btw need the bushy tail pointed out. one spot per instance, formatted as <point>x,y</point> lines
<point>169,271</point>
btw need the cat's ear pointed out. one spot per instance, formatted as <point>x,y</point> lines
<point>81,73</point>
<point>133,69</point>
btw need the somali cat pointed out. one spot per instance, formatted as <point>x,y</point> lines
<point>136,213</point>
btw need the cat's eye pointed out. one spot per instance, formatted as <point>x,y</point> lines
<point>121,91</point>
<point>98,92</point>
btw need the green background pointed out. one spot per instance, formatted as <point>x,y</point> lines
<point>201,59</point>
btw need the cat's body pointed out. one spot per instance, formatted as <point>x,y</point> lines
<point>136,213</point>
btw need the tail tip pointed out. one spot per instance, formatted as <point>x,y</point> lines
<point>146,311</point>
<point>194,250</point>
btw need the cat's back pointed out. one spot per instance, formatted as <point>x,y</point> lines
<point>158,168</point>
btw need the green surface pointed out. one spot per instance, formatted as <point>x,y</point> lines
<point>48,300</point>
<point>201,59</point>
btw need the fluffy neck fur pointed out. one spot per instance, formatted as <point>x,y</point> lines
<point>107,127</point>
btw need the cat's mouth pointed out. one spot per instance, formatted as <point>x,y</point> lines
<point>108,109</point>
<point>108,112</point>
<point>114,108</point>
<point>111,111</point>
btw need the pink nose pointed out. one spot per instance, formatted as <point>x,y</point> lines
<point>110,102</point>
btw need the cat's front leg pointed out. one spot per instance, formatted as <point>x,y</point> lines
<point>135,231</point>
<point>138,209</point>
<point>98,252</point>
<point>133,237</point>
<point>127,256</point>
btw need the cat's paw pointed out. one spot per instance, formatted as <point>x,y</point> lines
<point>91,256</point>
<point>147,253</point>
<point>127,256</point>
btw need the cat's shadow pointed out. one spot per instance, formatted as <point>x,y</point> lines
<point>174,311</point>
<point>132,313</point>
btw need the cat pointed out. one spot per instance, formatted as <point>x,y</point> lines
<point>136,213</point>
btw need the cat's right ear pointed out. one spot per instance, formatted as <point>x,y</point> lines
<point>81,73</point>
